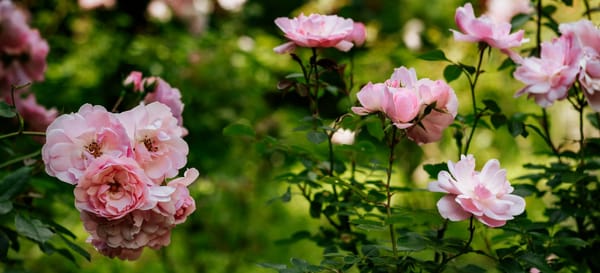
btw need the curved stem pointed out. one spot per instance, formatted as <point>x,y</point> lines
<point>388,205</point>
<point>587,9</point>
<point>30,133</point>
<point>472,85</point>
<point>314,68</point>
<point>465,249</point>
<point>538,33</point>
<point>580,109</point>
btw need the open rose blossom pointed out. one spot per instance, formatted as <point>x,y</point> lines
<point>156,140</point>
<point>318,30</point>
<point>113,187</point>
<point>22,48</point>
<point>421,106</point>
<point>165,94</point>
<point>484,29</point>
<point>549,77</point>
<point>486,195</point>
<point>587,36</point>
<point>74,140</point>
<point>181,204</point>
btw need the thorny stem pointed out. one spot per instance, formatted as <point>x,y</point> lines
<point>388,205</point>
<point>472,84</point>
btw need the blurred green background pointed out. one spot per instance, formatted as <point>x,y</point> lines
<point>227,71</point>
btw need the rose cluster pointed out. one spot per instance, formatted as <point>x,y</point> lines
<point>124,167</point>
<point>572,57</point>
<point>421,106</point>
<point>318,30</point>
<point>22,60</point>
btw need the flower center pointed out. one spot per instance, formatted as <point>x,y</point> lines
<point>94,149</point>
<point>149,143</point>
<point>114,187</point>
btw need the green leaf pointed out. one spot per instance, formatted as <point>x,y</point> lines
<point>498,120</point>
<point>571,241</point>
<point>4,245</point>
<point>32,228</point>
<point>510,265</point>
<point>471,268</point>
<point>434,169</point>
<point>435,55</point>
<point>411,241</point>
<point>452,72</point>
<point>351,259</point>
<point>79,250</point>
<point>519,20</point>
<point>238,129</point>
<point>538,261</point>
<point>6,111</point>
<point>286,197</point>
<point>593,119</point>
<point>516,127</point>
<point>272,266</point>
<point>492,106</point>
<point>14,183</point>
<point>315,209</point>
<point>508,62</point>
<point>375,129</point>
<point>316,137</point>
<point>5,206</point>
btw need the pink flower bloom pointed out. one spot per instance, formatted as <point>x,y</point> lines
<point>371,97</point>
<point>93,4</point>
<point>401,105</point>
<point>484,195</point>
<point>122,253</point>
<point>156,140</point>
<point>484,29</point>
<point>36,116</point>
<point>22,49</point>
<point>587,36</point>
<point>113,187</point>
<point>126,237</point>
<point>135,80</point>
<point>74,140</point>
<point>181,204</point>
<point>358,35</point>
<point>167,95</point>
<point>549,77</point>
<point>318,30</point>
<point>505,10</point>
<point>534,270</point>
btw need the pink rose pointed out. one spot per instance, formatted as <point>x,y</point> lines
<point>135,80</point>
<point>113,187</point>
<point>156,140</point>
<point>505,10</point>
<point>165,94</point>
<point>371,97</point>
<point>432,125</point>
<point>318,30</point>
<point>484,29</point>
<point>550,77</point>
<point>358,35</point>
<point>36,116</point>
<point>484,195</point>
<point>14,31</point>
<point>587,36</point>
<point>401,106</point>
<point>126,237</point>
<point>74,140</point>
<point>181,204</point>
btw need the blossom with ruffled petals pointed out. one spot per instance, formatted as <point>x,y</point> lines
<point>74,140</point>
<point>587,36</point>
<point>318,30</point>
<point>126,237</point>
<point>36,116</point>
<point>484,29</point>
<point>486,195</point>
<point>371,98</point>
<point>549,77</point>
<point>156,140</point>
<point>165,94</point>
<point>343,136</point>
<point>181,204</point>
<point>113,187</point>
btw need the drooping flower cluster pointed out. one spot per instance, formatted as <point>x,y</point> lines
<point>119,164</point>
<point>485,195</point>
<point>421,106</point>
<point>572,57</point>
<point>22,60</point>
<point>318,30</point>
<point>484,29</point>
